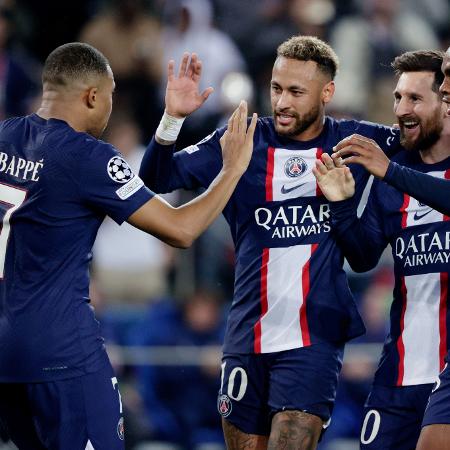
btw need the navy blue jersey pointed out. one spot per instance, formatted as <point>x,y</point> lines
<point>417,344</point>
<point>56,186</point>
<point>290,288</point>
<point>434,192</point>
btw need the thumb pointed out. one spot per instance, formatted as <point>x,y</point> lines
<point>206,93</point>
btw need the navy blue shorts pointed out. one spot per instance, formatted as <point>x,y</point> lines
<point>393,417</point>
<point>254,387</point>
<point>438,409</point>
<point>73,414</point>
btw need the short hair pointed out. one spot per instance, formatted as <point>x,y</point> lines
<point>310,48</point>
<point>73,61</point>
<point>421,61</point>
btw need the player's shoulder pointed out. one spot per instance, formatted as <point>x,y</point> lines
<point>363,127</point>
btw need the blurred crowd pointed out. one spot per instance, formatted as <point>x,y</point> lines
<point>147,294</point>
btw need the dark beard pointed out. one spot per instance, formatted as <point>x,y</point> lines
<point>423,142</point>
<point>301,124</point>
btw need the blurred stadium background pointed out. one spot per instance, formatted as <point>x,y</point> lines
<point>162,310</point>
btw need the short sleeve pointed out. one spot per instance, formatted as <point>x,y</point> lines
<point>108,184</point>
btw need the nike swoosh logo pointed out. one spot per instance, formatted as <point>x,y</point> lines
<point>418,216</point>
<point>285,190</point>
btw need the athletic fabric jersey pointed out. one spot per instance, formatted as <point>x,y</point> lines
<point>434,192</point>
<point>290,288</point>
<point>417,344</point>
<point>56,186</point>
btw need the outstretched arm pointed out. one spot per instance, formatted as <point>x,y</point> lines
<point>432,191</point>
<point>361,240</point>
<point>160,170</point>
<point>180,226</point>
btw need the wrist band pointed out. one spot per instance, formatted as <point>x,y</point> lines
<point>169,128</point>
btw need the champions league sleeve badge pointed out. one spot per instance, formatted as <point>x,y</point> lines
<point>224,405</point>
<point>119,170</point>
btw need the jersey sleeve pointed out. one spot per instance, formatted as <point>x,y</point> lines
<point>434,192</point>
<point>107,183</point>
<point>362,240</point>
<point>164,170</point>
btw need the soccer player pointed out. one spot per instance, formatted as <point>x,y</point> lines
<point>292,310</point>
<point>417,344</point>
<point>435,434</point>
<point>57,183</point>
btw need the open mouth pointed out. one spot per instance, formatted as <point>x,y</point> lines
<point>410,126</point>
<point>285,119</point>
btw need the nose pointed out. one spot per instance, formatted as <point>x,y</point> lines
<point>444,88</point>
<point>283,101</point>
<point>402,107</point>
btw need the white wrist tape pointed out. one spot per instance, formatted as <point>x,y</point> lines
<point>169,128</point>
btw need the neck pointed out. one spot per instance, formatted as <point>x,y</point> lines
<point>437,152</point>
<point>56,106</point>
<point>312,131</point>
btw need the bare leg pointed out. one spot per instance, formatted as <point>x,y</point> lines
<point>434,437</point>
<point>294,430</point>
<point>238,440</point>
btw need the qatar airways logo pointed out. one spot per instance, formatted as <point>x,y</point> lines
<point>294,221</point>
<point>422,249</point>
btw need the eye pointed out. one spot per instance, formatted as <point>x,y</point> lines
<point>276,89</point>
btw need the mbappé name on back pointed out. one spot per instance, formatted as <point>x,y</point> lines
<point>20,168</point>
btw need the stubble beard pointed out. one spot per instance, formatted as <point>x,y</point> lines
<point>301,123</point>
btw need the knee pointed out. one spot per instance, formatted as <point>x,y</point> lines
<point>294,430</point>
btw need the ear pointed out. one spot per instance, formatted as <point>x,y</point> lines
<point>328,92</point>
<point>90,97</point>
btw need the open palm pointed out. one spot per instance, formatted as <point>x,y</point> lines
<point>335,181</point>
<point>182,92</point>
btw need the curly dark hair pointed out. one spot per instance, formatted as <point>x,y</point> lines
<point>310,48</point>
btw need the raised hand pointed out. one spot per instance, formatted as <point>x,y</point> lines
<point>182,91</point>
<point>364,151</point>
<point>334,179</point>
<point>237,141</point>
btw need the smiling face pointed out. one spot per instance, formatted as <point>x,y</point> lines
<point>298,93</point>
<point>419,110</point>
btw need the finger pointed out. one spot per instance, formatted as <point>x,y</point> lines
<point>321,168</point>
<point>326,158</point>
<point>395,125</point>
<point>170,70</point>
<point>316,173</point>
<point>252,127</point>
<point>206,93</point>
<point>237,118</point>
<point>192,65</point>
<point>348,150</point>
<point>348,174</point>
<point>353,160</point>
<point>183,65</point>
<point>338,161</point>
<point>243,117</point>
<point>354,139</point>
<point>196,75</point>
<point>231,121</point>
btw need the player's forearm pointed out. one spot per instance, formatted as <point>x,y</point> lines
<point>156,166</point>
<point>194,217</point>
<point>359,247</point>
<point>434,192</point>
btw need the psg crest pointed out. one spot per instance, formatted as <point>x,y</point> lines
<point>295,166</point>
<point>120,429</point>
<point>224,405</point>
<point>119,170</point>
